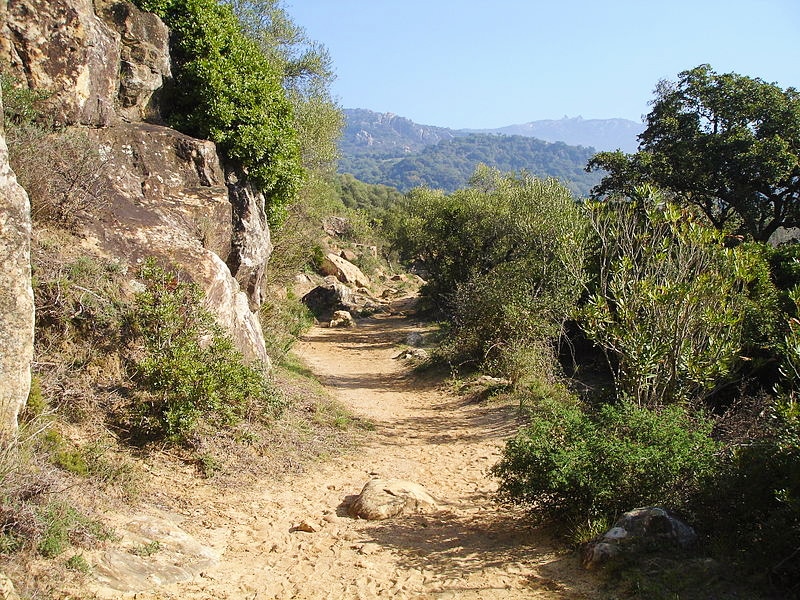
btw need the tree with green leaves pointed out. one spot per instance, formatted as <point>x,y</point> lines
<point>227,90</point>
<point>307,74</point>
<point>724,143</point>
<point>504,262</point>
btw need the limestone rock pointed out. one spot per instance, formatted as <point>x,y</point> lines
<point>413,353</point>
<point>168,199</point>
<point>414,339</point>
<point>344,270</point>
<point>16,294</point>
<point>251,245</point>
<point>386,498</point>
<point>342,318</point>
<point>179,557</point>
<point>63,47</point>
<point>335,226</point>
<point>639,530</point>
<point>348,255</point>
<point>144,57</point>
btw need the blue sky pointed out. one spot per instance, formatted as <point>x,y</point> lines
<point>488,64</point>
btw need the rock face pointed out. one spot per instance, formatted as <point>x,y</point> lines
<point>62,47</point>
<point>386,498</point>
<point>636,531</point>
<point>104,62</point>
<point>144,58</point>
<point>168,198</point>
<point>16,294</point>
<point>251,245</point>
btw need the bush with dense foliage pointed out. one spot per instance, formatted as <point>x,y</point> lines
<point>581,465</point>
<point>671,305</point>
<point>227,90</point>
<point>503,259</point>
<point>188,370</point>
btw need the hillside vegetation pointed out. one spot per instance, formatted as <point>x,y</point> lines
<point>650,336</point>
<point>449,164</point>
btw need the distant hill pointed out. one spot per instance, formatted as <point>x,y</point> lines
<point>387,149</point>
<point>369,132</point>
<point>602,134</point>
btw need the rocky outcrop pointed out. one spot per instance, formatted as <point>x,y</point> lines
<point>386,498</point>
<point>63,48</point>
<point>144,58</point>
<point>16,294</point>
<point>103,64</point>
<point>343,270</point>
<point>639,530</point>
<point>167,198</point>
<point>179,557</point>
<point>251,245</point>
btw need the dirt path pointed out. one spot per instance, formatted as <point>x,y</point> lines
<point>471,549</point>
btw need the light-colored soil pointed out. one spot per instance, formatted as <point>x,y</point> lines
<point>471,549</point>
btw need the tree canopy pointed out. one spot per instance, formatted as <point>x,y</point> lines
<point>725,143</point>
<point>228,90</point>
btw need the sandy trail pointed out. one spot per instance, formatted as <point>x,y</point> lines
<point>471,549</point>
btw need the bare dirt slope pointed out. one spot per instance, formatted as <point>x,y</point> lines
<point>472,548</point>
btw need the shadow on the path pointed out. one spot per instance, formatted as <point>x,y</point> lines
<point>453,547</point>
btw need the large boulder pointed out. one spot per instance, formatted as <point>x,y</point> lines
<point>386,498</point>
<point>62,47</point>
<point>168,198</point>
<point>636,531</point>
<point>328,297</point>
<point>342,318</point>
<point>144,58</point>
<point>343,270</point>
<point>16,294</point>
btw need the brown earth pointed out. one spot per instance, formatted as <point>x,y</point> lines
<point>292,538</point>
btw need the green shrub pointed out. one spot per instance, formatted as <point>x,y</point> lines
<point>61,524</point>
<point>752,508</point>
<point>284,320</point>
<point>188,366</point>
<point>77,562</point>
<point>580,466</point>
<point>671,306</point>
<point>227,90</point>
<point>504,260</point>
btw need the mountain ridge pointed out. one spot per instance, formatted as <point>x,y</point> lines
<point>388,149</point>
<point>370,132</point>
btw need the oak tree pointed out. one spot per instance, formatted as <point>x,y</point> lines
<point>725,143</point>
